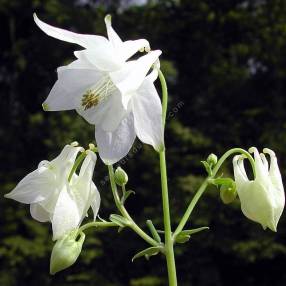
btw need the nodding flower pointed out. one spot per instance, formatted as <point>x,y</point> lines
<point>262,199</point>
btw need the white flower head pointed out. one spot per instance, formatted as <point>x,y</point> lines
<point>116,95</point>
<point>262,199</point>
<point>53,198</point>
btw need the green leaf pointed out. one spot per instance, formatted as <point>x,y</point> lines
<point>185,235</point>
<point>182,238</point>
<point>126,195</point>
<point>151,251</point>
<point>119,220</point>
<point>223,181</point>
<point>194,230</point>
<point>207,167</point>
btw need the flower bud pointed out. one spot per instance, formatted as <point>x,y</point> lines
<point>66,251</point>
<point>212,159</point>
<point>120,177</point>
<point>228,193</point>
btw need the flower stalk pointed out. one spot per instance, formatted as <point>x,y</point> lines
<point>169,243</point>
<point>124,212</point>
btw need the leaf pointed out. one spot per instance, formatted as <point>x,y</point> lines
<point>194,230</point>
<point>119,220</point>
<point>207,167</point>
<point>126,195</point>
<point>151,251</point>
<point>185,235</point>
<point>223,181</point>
<point>182,238</point>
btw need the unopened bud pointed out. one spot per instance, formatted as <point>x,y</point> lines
<point>212,159</point>
<point>228,193</point>
<point>120,176</point>
<point>66,251</point>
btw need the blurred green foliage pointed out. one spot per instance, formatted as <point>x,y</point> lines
<point>225,62</point>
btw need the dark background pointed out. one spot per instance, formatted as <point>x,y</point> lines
<point>225,62</point>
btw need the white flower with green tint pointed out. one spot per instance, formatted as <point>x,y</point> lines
<point>262,199</point>
<point>52,197</point>
<point>114,94</point>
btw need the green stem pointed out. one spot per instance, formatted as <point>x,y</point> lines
<point>169,243</point>
<point>124,212</point>
<point>164,96</point>
<point>97,224</point>
<point>204,185</point>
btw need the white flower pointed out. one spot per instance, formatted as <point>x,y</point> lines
<point>113,94</point>
<point>262,199</point>
<point>52,198</point>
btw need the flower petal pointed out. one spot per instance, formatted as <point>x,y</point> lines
<point>112,35</point>
<point>33,188</point>
<point>66,216</point>
<point>261,170</point>
<point>130,48</point>
<point>239,172</point>
<point>68,90</point>
<point>83,40</point>
<point>81,189</point>
<point>130,77</point>
<point>113,146</point>
<point>39,213</point>
<point>147,111</point>
<point>105,58</point>
<point>95,200</point>
<point>107,114</point>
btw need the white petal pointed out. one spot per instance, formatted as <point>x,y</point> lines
<point>107,114</point>
<point>82,62</point>
<point>63,163</point>
<point>82,187</point>
<point>239,173</point>
<point>71,85</point>
<point>39,213</point>
<point>131,76</point>
<point>33,188</point>
<point>274,171</point>
<point>112,35</point>
<point>95,200</point>
<point>66,216</point>
<point>147,111</point>
<point>256,203</point>
<point>83,40</point>
<point>105,58</point>
<point>113,146</point>
<point>261,171</point>
<point>129,48</point>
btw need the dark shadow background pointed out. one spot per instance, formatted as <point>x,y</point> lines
<point>225,61</point>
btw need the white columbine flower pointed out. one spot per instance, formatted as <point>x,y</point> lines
<point>108,91</point>
<point>52,198</point>
<point>262,199</point>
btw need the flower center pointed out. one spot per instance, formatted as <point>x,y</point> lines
<point>102,90</point>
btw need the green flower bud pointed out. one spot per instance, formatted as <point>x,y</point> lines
<point>212,159</point>
<point>228,193</point>
<point>66,251</point>
<point>120,177</point>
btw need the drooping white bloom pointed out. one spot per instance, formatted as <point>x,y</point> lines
<point>52,198</point>
<point>113,94</point>
<point>262,199</point>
